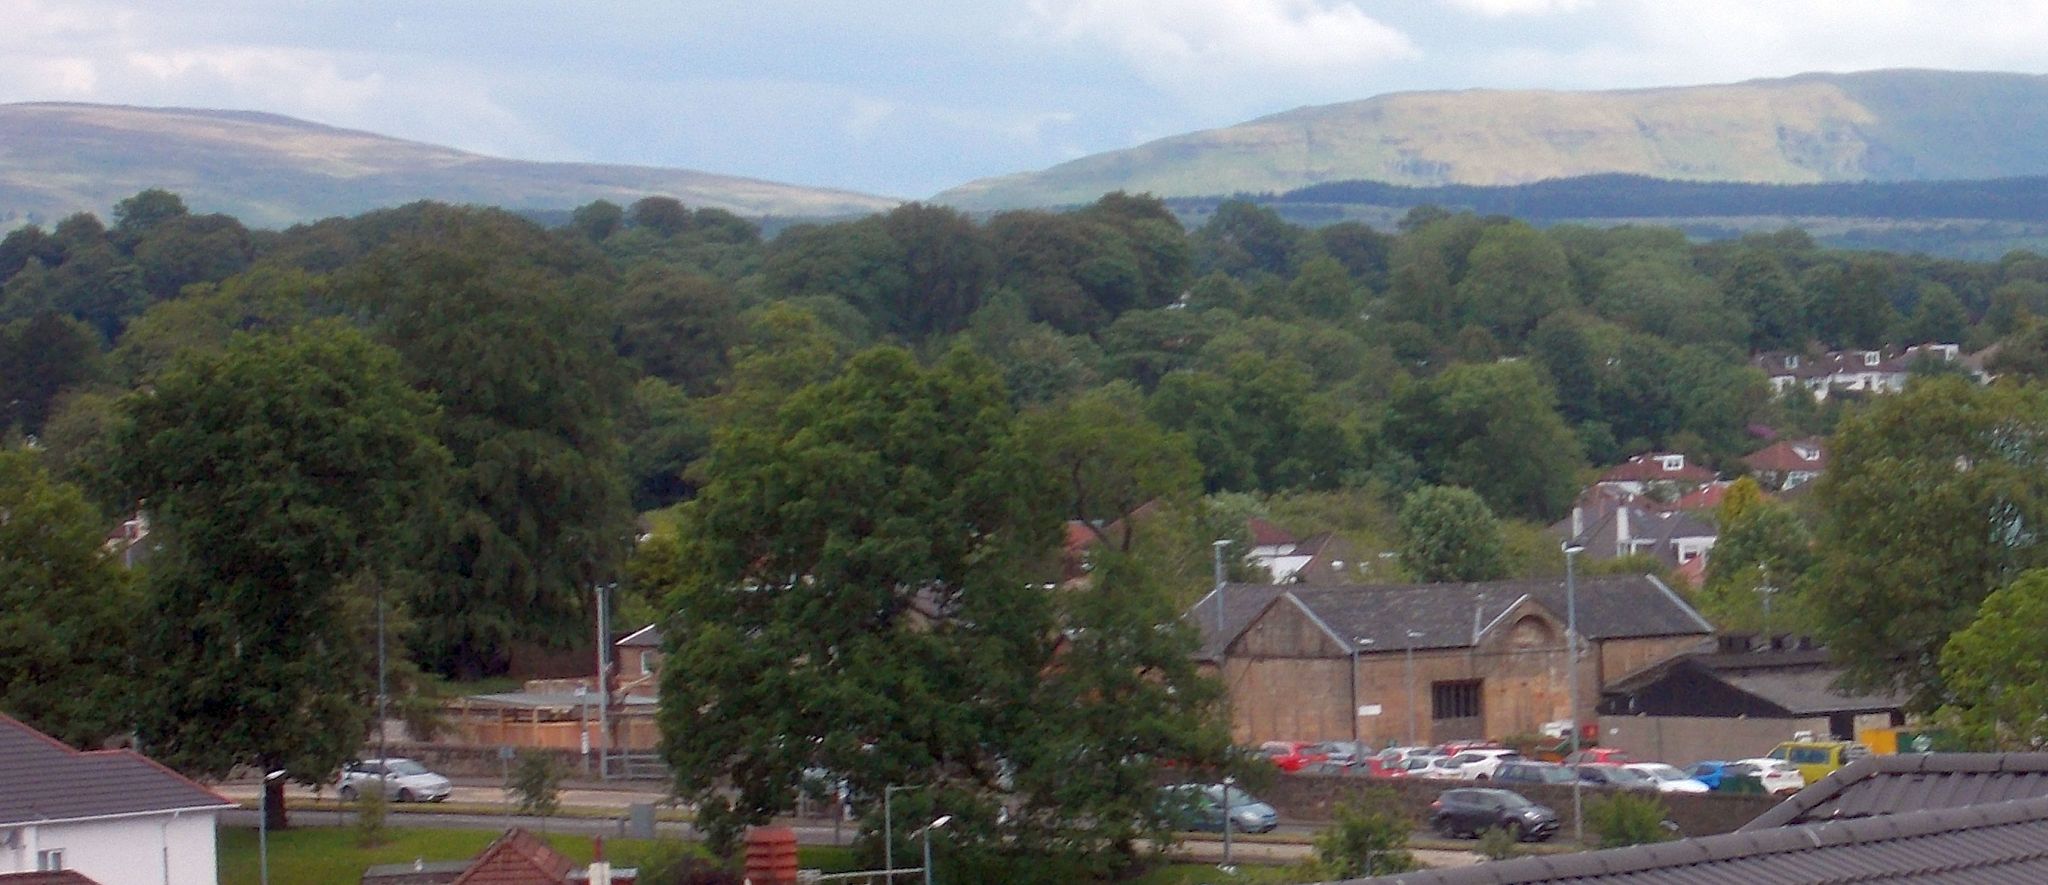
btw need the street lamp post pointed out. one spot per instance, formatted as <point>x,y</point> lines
<point>263,828</point>
<point>888,822</point>
<point>1767,591</point>
<point>1357,642</point>
<point>927,829</point>
<point>1229,783</point>
<point>1410,650</point>
<point>1571,640</point>
<point>604,687</point>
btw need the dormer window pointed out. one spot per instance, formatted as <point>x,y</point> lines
<point>1791,361</point>
<point>1870,357</point>
<point>1806,453</point>
<point>1673,462</point>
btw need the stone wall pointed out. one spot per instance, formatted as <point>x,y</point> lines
<point>1312,799</point>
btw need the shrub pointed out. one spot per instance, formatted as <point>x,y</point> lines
<point>371,808</point>
<point>537,781</point>
<point>1497,844</point>
<point>1627,819</point>
<point>1369,838</point>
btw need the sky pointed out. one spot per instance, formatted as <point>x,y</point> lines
<point>905,98</point>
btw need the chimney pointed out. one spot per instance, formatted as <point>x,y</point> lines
<point>600,872</point>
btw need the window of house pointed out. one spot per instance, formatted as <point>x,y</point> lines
<point>1870,357</point>
<point>1674,462</point>
<point>50,859</point>
<point>1454,700</point>
<point>1792,361</point>
<point>650,661</point>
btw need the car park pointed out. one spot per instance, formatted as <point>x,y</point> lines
<point>1599,756</point>
<point>1614,777</point>
<point>1471,811</point>
<point>1477,765</point>
<point>1291,756</point>
<point>1413,766</point>
<point>1668,778</point>
<point>1527,772</point>
<point>1345,753</point>
<point>402,780</point>
<point>1818,759</point>
<point>1201,807</point>
<point>1778,776</point>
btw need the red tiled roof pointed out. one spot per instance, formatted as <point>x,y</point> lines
<point>1706,497</point>
<point>517,858</point>
<point>1650,468</point>
<point>59,877</point>
<point>1783,456</point>
<point>1266,534</point>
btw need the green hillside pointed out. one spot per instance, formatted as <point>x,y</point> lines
<point>1880,125</point>
<point>56,159</point>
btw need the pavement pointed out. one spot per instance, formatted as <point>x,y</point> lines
<point>599,808</point>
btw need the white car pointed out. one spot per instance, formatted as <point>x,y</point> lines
<point>1778,776</point>
<point>1475,765</point>
<point>401,779</point>
<point>1668,778</point>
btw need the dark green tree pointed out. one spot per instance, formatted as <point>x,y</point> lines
<point>67,610</point>
<point>1494,429</point>
<point>678,326</point>
<point>280,473</point>
<point>1994,672</point>
<point>1933,498</point>
<point>1449,534</point>
<point>1110,460</point>
<point>40,357</point>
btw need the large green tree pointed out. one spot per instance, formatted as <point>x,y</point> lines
<point>856,590</point>
<point>505,325</point>
<point>283,474</point>
<point>1494,429</point>
<point>1449,534</point>
<point>1994,672</point>
<point>67,610</point>
<point>1933,498</point>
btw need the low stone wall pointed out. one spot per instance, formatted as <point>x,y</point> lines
<point>1310,798</point>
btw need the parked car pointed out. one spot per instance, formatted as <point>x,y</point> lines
<point>1614,777</point>
<point>1469,812</point>
<point>1201,807</point>
<point>1779,777</point>
<point>1477,765</point>
<point>1453,748</point>
<point>1291,756</point>
<point>401,779</point>
<point>1413,766</point>
<point>1527,772</point>
<point>1668,778</point>
<point>1818,759</point>
<point>1599,756</point>
<point>1345,753</point>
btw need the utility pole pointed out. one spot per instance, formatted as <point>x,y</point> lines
<point>1571,639</point>
<point>604,687</point>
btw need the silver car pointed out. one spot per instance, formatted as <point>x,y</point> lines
<point>401,779</point>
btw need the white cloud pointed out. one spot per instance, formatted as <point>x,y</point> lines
<point>1505,8</point>
<point>1203,48</point>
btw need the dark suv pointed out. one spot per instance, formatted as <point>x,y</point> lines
<point>1534,773</point>
<point>1469,812</point>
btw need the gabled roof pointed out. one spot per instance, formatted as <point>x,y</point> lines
<point>649,636</point>
<point>58,877</point>
<point>1785,456</point>
<point>1609,607</point>
<point>517,858</point>
<point>1776,683</point>
<point>1265,534</point>
<point>1892,785</point>
<point>44,781</point>
<point>2005,842</point>
<point>1649,467</point>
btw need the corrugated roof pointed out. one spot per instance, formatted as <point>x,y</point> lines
<point>43,780</point>
<point>1886,785</point>
<point>2005,842</point>
<point>1609,607</point>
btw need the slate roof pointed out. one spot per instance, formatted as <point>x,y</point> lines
<point>1777,683</point>
<point>649,635</point>
<point>59,877</point>
<point>44,781</point>
<point>1610,607</point>
<point>2005,842</point>
<point>1889,785</point>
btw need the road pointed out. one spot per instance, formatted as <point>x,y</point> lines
<point>1294,845</point>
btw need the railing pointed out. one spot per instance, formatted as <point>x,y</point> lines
<point>868,876</point>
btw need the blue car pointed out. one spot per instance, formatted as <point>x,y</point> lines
<point>1709,773</point>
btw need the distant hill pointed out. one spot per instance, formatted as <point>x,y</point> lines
<point>1896,125</point>
<point>267,170</point>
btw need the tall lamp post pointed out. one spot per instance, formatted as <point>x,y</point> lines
<point>926,830</point>
<point>604,685</point>
<point>263,828</point>
<point>1229,784</point>
<point>1357,642</point>
<point>1572,549</point>
<point>1412,636</point>
<point>888,822</point>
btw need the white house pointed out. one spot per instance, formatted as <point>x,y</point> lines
<point>114,816</point>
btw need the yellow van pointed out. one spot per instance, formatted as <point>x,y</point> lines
<point>1818,759</point>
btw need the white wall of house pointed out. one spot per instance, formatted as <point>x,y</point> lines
<point>148,849</point>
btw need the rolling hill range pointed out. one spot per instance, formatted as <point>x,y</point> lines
<point>56,159</point>
<point>1894,125</point>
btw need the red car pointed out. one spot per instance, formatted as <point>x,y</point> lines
<point>1598,756</point>
<point>1291,756</point>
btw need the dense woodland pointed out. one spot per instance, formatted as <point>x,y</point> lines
<point>1636,196</point>
<point>454,415</point>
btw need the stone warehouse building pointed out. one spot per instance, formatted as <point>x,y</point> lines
<point>1426,663</point>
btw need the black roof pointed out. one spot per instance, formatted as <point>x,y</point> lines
<point>1609,607</point>
<point>1799,682</point>
<point>1882,785</point>
<point>42,781</point>
<point>2004,842</point>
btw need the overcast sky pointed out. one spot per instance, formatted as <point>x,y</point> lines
<point>907,97</point>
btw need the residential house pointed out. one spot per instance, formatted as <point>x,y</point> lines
<point>1736,702</point>
<point>1611,524</point>
<point>1952,818</point>
<point>1659,474</point>
<point>1429,662</point>
<point>1788,464</point>
<point>1870,371</point>
<point>1323,558</point>
<point>516,858</point>
<point>113,816</point>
